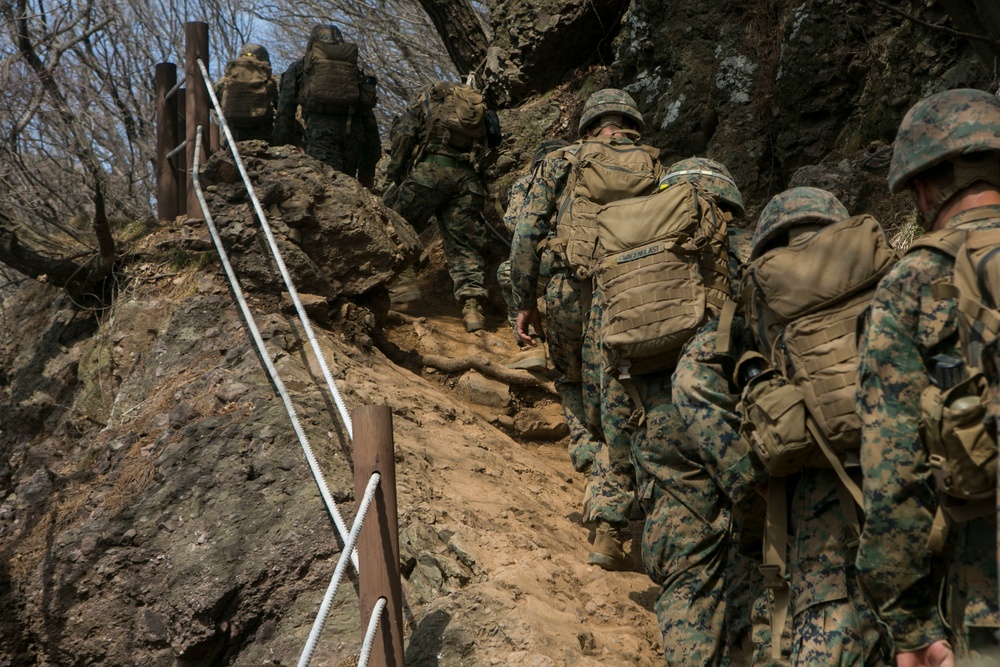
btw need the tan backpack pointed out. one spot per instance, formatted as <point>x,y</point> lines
<point>602,170</point>
<point>958,435</point>
<point>246,99</point>
<point>803,302</point>
<point>663,267</point>
<point>455,116</point>
<point>331,78</point>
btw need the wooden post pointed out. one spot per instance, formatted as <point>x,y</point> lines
<point>197,103</point>
<point>167,140</point>
<point>378,542</point>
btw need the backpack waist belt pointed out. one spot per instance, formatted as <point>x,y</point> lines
<point>445,160</point>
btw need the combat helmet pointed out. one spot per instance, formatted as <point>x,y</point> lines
<point>941,128</point>
<point>255,51</point>
<point>711,175</point>
<point>610,101</point>
<point>326,34</point>
<point>544,149</point>
<point>793,208</point>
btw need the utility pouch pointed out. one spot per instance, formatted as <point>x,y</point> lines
<point>960,438</point>
<point>774,423</point>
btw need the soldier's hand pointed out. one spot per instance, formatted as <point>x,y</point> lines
<point>938,654</point>
<point>528,317</point>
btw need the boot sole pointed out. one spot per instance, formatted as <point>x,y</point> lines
<point>607,562</point>
<point>536,364</point>
<point>407,297</point>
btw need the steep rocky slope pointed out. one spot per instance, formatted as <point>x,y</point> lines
<point>162,513</point>
<point>155,508</point>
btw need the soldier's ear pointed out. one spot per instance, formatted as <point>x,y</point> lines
<point>924,194</point>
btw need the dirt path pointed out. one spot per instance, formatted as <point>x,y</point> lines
<point>509,584</point>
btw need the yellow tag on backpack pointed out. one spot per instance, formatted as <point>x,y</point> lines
<point>246,101</point>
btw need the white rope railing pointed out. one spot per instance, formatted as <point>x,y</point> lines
<point>292,292</point>
<point>338,573</point>
<point>350,540</point>
<point>373,621</point>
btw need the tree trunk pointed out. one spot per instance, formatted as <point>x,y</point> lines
<point>461,31</point>
<point>63,273</point>
<point>978,17</point>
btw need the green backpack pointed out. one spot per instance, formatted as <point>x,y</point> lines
<point>455,116</point>
<point>331,78</point>
<point>246,99</point>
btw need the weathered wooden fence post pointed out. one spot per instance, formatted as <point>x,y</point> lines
<point>378,542</point>
<point>167,138</point>
<point>197,100</point>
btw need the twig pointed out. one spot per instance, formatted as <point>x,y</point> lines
<point>951,31</point>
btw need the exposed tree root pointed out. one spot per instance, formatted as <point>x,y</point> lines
<point>453,365</point>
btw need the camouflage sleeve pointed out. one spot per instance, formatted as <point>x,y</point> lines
<point>893,562</point>
<point>288,102</point>
<point>533,225</point>
<point>406,136</point>
<point>371,152</point>
<point>272,92</point>
<point>515,201</point>
<point>706,398</point>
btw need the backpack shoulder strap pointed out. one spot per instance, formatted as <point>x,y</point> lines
<point>947,241</point>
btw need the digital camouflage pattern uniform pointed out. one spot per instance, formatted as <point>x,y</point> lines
<point>695,466</point>
<point>349,143</point>
<point>691,463</point>
<point>445,183</point>
<point>516,199</point>
<point>831,622</point>
<point>613,476</point>
<point>906,327</point>
<point>515,203</point>
<point>563,299</point>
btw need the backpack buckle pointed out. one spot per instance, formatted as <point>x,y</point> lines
<point>773,577</point>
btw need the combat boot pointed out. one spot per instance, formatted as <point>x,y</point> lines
<point>472,314</point>
<point>529,358</point>
<point>608,551</point>
<point>404,288</point>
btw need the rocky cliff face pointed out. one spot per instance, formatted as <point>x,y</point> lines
<point>155,507</point>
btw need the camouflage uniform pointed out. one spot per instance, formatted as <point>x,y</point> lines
<point>563,299</point>
<point>349,142</point>
<point>265,128</point>
<point>515,202</point>
<point>831,623</point>
<point>444,183</point>
<point>906,327</point>
<point>613,475</point>
<point>693,465</point>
